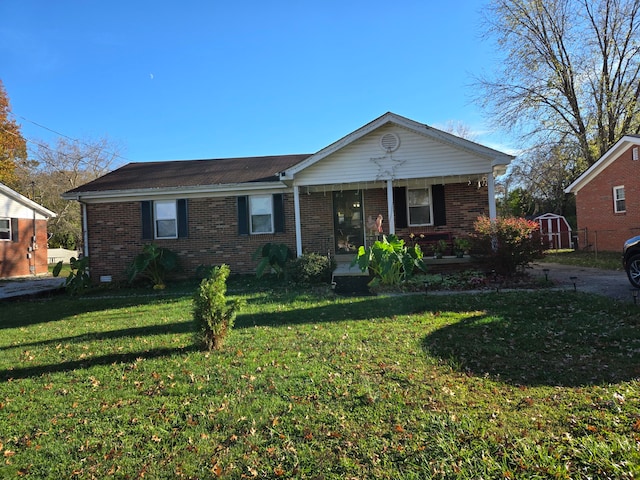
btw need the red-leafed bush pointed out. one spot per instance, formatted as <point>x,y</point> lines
<point>508,244</point>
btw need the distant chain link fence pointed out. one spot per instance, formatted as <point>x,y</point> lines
<point>598,240</point>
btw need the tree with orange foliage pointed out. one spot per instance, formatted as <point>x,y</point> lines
<point>13,146</point>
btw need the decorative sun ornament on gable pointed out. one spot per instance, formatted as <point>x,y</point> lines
<point>387,165</point>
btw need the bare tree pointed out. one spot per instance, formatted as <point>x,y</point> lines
<point>68,164</point>
<point>571,71</point>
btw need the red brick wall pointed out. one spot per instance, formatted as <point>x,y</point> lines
<point>316,210</point>
<point>605,229</point>
<point>464,204</point>
<point>115,229</point>
<point>115,237</point>
<point>13,255</point>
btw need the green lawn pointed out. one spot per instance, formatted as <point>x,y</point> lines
<point>604,260</point>
<point>497,385</point>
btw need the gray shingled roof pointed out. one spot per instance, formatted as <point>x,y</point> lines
<point>192,173</point>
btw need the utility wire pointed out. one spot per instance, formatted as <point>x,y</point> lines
<point>15,115</point>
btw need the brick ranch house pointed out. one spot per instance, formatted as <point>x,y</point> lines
<point>417,178</point>
<point>608,197</point>
<point>23,235</point>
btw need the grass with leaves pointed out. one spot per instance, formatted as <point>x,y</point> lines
<point>581,258</point>
<point>308,385</point>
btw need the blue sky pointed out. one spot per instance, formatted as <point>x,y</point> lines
<point>213,79</point>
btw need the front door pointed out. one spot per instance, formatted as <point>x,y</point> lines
<point>347,221</point>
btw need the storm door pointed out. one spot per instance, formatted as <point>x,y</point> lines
<point>348,221</point>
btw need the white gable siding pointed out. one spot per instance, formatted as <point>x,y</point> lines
<point>417,157</point>
<point>10,208</point>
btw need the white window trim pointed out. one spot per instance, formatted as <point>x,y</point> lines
<point>10,236</point>
<point>430,208</point>
<point>155,219</point>
<point>616,189</point>
<point>271,214</point>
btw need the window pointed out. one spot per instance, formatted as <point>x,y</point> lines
<point>5,229</point>
<point>259,214</point>
<point>164,219</point>
<point>619,204</point>
<point>419,204</point>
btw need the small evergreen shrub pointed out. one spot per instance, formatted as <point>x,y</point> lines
<point>213,313</point>
<point>311,269</point>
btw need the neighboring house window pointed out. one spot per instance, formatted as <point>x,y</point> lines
<point>419,204</point>
<point>619,200</point>
<point>259,214</point>
<point>5,229</point>
<point>164,219</point>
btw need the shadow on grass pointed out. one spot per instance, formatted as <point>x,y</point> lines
<point>24,313</point>
<point>116,358</point>
<point>151,330</point>
<point>357,308</point>
<point>575,341</point>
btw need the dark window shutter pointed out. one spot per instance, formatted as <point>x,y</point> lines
<point>15,235</point>
<point>243,215</point>
<point>278,213</point>
<point>147,220</point>
<point>183,218</point>
<point>439,207</point>
<point>400,206</point>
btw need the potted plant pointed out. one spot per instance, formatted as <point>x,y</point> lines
<point>460,246</point>
<point>439,248</point>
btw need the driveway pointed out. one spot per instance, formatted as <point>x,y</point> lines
<point>610,283</point>
<point>29,286</point>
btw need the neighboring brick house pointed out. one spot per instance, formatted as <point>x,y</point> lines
<point>417,178</point>
<point>608,197</point>
<point>23,235</point>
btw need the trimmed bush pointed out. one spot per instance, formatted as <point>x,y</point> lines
<point>508,244</point>
<point>311,269</point>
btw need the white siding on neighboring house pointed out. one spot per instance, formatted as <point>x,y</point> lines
<point>416,157</point>
<point>10,208</point>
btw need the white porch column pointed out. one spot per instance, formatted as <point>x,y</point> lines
<point>390,214</point>
<point>296,208</point>
<point>492,195</point>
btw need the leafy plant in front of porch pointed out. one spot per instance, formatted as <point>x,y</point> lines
<point>461,245</point>
<point>153,264</point>
<point>390,261</point>
<point>274,257</point>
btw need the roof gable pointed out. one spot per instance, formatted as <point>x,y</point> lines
<point>498,158</point>
<point>603,162</point>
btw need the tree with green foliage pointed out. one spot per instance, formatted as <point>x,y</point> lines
<point>13,146</point>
